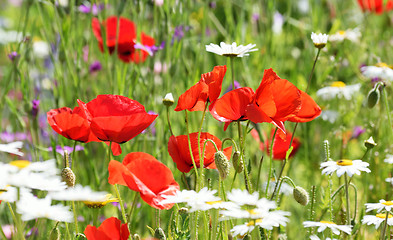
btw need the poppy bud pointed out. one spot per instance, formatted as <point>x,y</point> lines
<point>222,164</point>
<point>54,234</point>
<point>237,162</point>
<point>68,176</point>
<point>373,97</point>
<point>168,100</point>
<point>183,210</point>
<point>369,143</point>
<point>80,236</point>
<point>300,195</point>
<point>159,234</point>
<point>136,237</point>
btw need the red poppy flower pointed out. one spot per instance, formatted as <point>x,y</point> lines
<point>377,6</point>
<point>232,106</point>
<point>280,145</point>
<point>309,110</point>
<point>143,173</point>
<point>276,100</point>
<point>116,118</point>
<point>110,229</point>
<point>178,149</point>
<point>207,89</point>
<point>125,41</point>
<point>71,124</point>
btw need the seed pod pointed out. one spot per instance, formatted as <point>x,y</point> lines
<point>237,162</point>
<point>373,97</point>
<point>68,176</point>
<point>222,164</point>
<point>54,234</point>
<point>159,234</point>
<point>300,195</point>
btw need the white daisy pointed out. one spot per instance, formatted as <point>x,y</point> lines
<point>231,50</point>
<point>380,70</point>
<point>388,159</point>
<point>344,166</point>
<point>315,237</point>
<point>202,200</point>
<point>338,90</point>
<point>268,221</point>
<point>389,180</point>
<point>319,40</point>
<point>41,49</point>
<point>78,193</point>
<point>243,197</point>
<point>329,115</point>
<point>13,148</point>
<point>10,194</point>
<point>31,207</point>
<point>382,205</point>
<point>377,219</point>
<point>352,35</point>
<point>322,225</point>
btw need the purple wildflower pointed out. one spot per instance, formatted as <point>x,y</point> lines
<point>94,9</point>
<point>13,56</point>
<point>357,131</point>
<point>229,88</point>
<point>31,232</point>
<point>69,149</point>
<point>12,137</point>
<point>35,108</point>
<point>179,33</point>
<point>95,67</point>
<point>212,5</point>
<point>255,17</point>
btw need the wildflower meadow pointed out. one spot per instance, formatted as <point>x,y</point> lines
<point>171,119</point>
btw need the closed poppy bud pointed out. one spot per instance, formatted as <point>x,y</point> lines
<point>68,176</point>
<point>168,100</point>
<point>222,164</point>
<point>373,97</point>
<point>300,195</point>
<point>159,234</point>
<point>54,234</point>
<point>237,162</point>
<point>136,237</point>
<point>369,143</point>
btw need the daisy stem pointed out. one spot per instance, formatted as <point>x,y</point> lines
<point>233,74</point>
<point>75,217</point>
<point>312,71</point>
<point>246,177</point>
<point>347,198</point>
<point>383,233</point>
<point>169,122</point>
<point>17,221</point>
<point>123,212</point>
<point>385,95</point>
<point>190,148</point>
<point>271,166</point>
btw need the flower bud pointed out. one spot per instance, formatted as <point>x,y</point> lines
<point>222,164</point>
<point>237,162</point>
<point>369,143</point>
<point>159,234</point>
<point>300,195</point>
<point>136,237</point>
<point>373,97</point>
<point>168,100</point>
<point>80,236</point>
<point>183,210</point>
<point>68,176</point>
<point>54,234</point>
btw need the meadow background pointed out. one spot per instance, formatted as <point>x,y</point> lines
<point>56,46</point>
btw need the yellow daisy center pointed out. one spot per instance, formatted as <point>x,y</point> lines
<point>252,223</point>
<point>381,64</point>
<point>344,162</point>
<point>341,32</point>
<point>20,163</point>
<point>383,215</point>
<point>100,204</point>
<point>338,84</point>
<point>328,222</point>
<point>214,202</point>
<point>388,203</point>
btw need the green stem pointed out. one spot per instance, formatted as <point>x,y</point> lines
<point>347,199</point>
<point>387,110</point>
<point>17,221</point>
<point>75,217</point>
<point>383,233</point>
<point>190,148</point>
<point>233,74</point>
<point>259,172</point>
<point>246,177</point>
<point>123,212</point>
<point>312,71</point>
<point>133,206</point>
<point>169,122</point>
<point>271,165</point>
<point>201,156</point>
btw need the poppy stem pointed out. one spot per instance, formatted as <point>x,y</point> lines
<point>190,148</point>
<point>385,95</point>
<point>259,171</point>
<point>271,166</point>
<point>123,212</point>
<point>201,154</point>
<point>246,177</point>
<point>75,217</point>
<point>134,201</point>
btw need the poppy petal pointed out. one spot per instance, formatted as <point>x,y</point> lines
<point>309,109</point>
<point>193,99</point>
<point>214,81</point>
<point>287,99</point>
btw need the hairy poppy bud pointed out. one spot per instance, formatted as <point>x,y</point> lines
<point>237,162</point>
<point>373,97</point>
<point>54,234</point>
<point>369,143</point>
<point>300,195</point>
<point>68,176</point>
<point>168,100</point>
<point>222,164</point>
<point>159,234</point>
<point>136,237</point>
